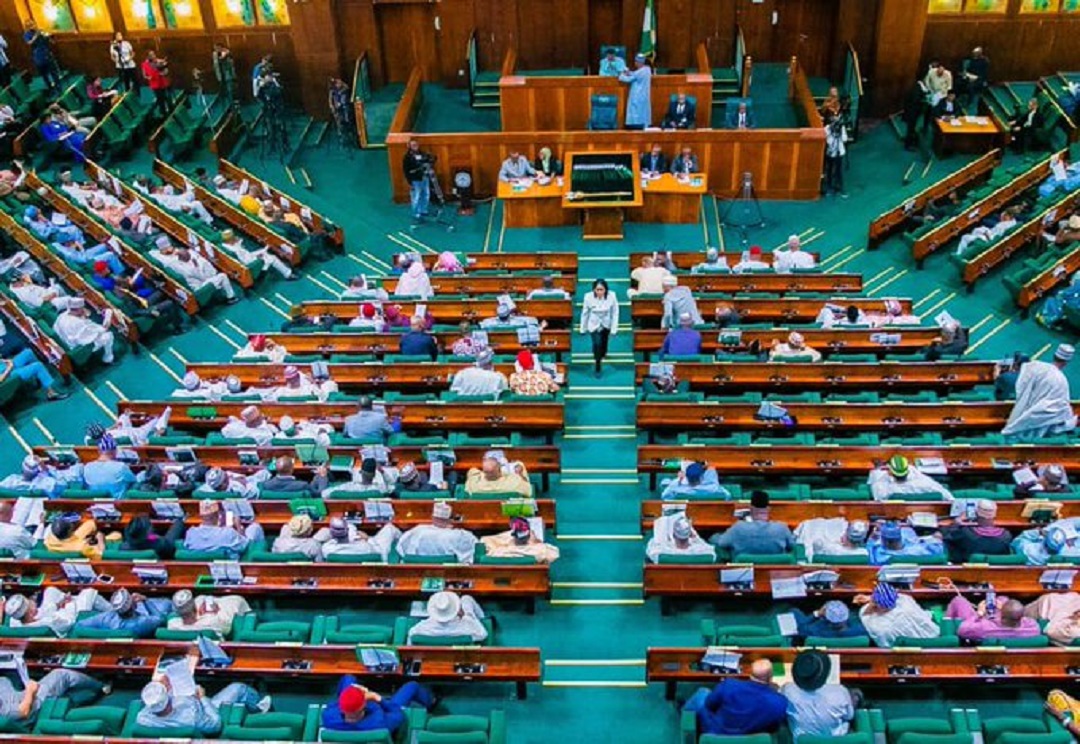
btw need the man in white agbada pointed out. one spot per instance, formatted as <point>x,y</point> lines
<point>35,475</point>
<point>57,610</point>
<point>1057,540</point>
<point>480,379</point>
<point>297,385</point>
<point>251,425</point>
<point>14,536</point>
<point>140,435</point>
<point>303,430</point>
<point>215,614</point>
<point>346,539</point>
<point>75,329</point>
<point>899,476</point>
<point>361,289</point>
<point>195,270</point>
<point>888,616</point>
<point>192,386</point>
<point>298,536</point>
<point>832,536</point>
<point>451,615</point>
<point>1043,405</point>
<point>714,263</point>
<point>986,234</point>
<point>259,346</point>
<point>673,534</point>
<point>220,481</point>
<point>80,192</point>
<point>439,538</point>
<point>185,201</point>
<point>35,295</point>
<point>233,244</point>
<point>369,478</point>
<point>793,257</point>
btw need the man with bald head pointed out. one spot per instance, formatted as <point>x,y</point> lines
<point>495,476</point>
<point>981,623</point>
<point>738,707</point>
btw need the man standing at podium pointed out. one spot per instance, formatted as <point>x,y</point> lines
<point>639,100</point>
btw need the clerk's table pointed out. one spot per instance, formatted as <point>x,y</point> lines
<point>970,134</point>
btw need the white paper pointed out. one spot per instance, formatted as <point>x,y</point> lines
<point>28,511</point>
<point>181,680</point>
<point>284,203</point>
<point>787,624</point>
<point>305,213</point>
<point>436,475</point>
<point>1024,476</point>
<point>787,587</point>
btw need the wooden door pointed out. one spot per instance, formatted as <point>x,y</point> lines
<point>409,40</point>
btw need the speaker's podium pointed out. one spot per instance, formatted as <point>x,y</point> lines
<point>602,185</point>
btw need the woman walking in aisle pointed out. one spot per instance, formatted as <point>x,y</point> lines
<point>600,319</point>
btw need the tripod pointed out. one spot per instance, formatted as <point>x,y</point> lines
<point>272,134</point>
<point>743,210</point>
<point>438,199</point>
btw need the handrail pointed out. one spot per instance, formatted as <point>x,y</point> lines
<point>509,63</point>
<point>359,102</point>
<point>701,54</point>
<point>410,103</point>
<point>471,64</point>
<point>746,76</point>
<point>799,90</point>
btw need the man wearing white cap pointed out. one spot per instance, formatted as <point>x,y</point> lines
<point>505,317</point>
<point>162,709</point>
<point>480,379</point>
<point>206,613</point>
<point>674,534</point>
<point>35,295</point>
<point>451,615</point>
<point>362,288</point>
<point>678,301</point>
<point>1043,405</point>
<point>218,531</point>
<point>832,536</point>
<point>75,329</point>
<point>15,537</point>
<point>304,431</point>
<point>197,272</point>
<point>1047,479</point>
<point>233,244</point>
<point>219,481</point>
<point>184,202</point>
<point>131,614</point>
<point>35,475</point>
<point>439,538</point>
<point>682,341</point>
<point>24,704</point>
<point>792,257</point>
<point>713,264</point>
<point>794,347</point>
<point>346,539</point>
<point>496,475</point>
<point>639,97</point>
<point>57,610</point>
<point>193,386</point>
<point>298,385</point>
<point>251,425</point>
<point>964,540</point>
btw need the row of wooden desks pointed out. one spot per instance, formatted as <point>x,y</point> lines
<point>557,262</point>
<point>363,376</point>
<point>526,582</point>
<point>714,516</point>
<point>845,341</point>
<point>543,418</point>
<point>882,377</point>
<point>555,342</point>
<point>471,284</point>
<point>687,260</point>
<point>884,666</point>
<point>139,658</point>
<point>556,312</point>
<point>839,417</point>
<point>649,310</point>
<point>828,460</point>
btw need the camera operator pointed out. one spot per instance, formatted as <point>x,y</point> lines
<point>340,106</point>
<point>270,93</point>
<point>835,149</point>
<point>416,166</point>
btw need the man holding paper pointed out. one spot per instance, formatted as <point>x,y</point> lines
<point>173,700</point>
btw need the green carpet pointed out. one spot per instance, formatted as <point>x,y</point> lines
<point>593,648</point>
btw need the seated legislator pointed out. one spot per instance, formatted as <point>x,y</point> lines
<point>480,379</point>
<point>62,536</point>
<point>497,475</point>
<point>25,703</point>
<point>356,708</point>
<point>1050,478</point>
<point>738,707</point>
<point>611,64</point>
<point>831,620</point>
<point>438,538</point>
<point>938,82</point>
<point>368,422</point>
<point>449,614</point>
<point>649,278</point>
<point>529,377</point>
<point>654,162</point>
<point>757,535</point>
<point>547,290</point>
<point>204,612</point>
<point>948,107</point>
<point>834,536</point>
<point>685,164</point>
<point>132,614</point>
<point>251,425</point>
<point>1024,125</point>
<point>515,168</point>
<point>298,536</point>
<point>794,348</point>
<point>714,263</point>
<point>816,708</point>
<point>983,537</point>
<point>695,480</point>
<point>741,118</point>
<point>792,257</point>
<point>680,114</point>
<point>56,610</point>
<point>166,708</point>
<point>1061,612</point>
<point>751,260</point>
<point>678,301</point>
<point>889,615</point>
<point>899,476</point>
<point>215,533</point>
<point>519,542</point>
<point>346,539</point>
<point>893,542</point>
<point>982,623</point>
<point>682,341</point>
<point>547,164</point>
<point>674,534</point>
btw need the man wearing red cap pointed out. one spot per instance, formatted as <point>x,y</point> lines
<point>258,346</point>
<point>751,261</point>
<point>359,709</point>
<point>528,378</point>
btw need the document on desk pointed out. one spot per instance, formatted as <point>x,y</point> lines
<point>787,587</point>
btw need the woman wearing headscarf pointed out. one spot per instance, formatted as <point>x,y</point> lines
<point>140,535</point>
<point>414,282</point>
<point>547,164</point>
<point>448,263</point>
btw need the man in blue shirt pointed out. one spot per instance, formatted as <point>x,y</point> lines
<point>418,342</point>
<point>736,707</point>
<point>682,341</point>
<point>131,614</point>
<point>359,709</point>
<point>833,620</point>
<point>367,423</point>
<point>106,473</point>
<point>214,534</point>
<point>894,540</point>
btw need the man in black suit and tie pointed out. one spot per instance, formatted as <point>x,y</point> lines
<point>948,107</point>
<point>685,164</point>
<point>680,114</point>
<point>1025,124</point>
<point>741,118</point>
<point>654,162</point>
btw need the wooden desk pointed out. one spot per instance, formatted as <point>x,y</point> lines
<point>559,263</point>
<point>766,460</point>
<point>854,341</point>
<point>602,217</point>
<point>554,311</point>
<point>883,666</point>
<point>649,310</point>
<point>836,418</point>
<point>671,201</point>
<point>367,376</point>
<point>470,284</point>
<point>327,344</point>
<point>845,376</point>
<point>544,418</point>
<point>687,260</point>
<point>535,205</point>
<point>965,134</point>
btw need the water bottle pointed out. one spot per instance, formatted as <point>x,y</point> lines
<point>991,601</point>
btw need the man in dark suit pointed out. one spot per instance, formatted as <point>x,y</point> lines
<point>741,118</point>
<point>654,161</point>
<point>680,113</point>
<point>1025,124</point>
<point>418,342</point>
<point>685,164</point>
<point>948,107</point>
<point>284,481</point>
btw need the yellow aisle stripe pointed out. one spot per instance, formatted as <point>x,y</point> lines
<point>365,264</point>
<point>402,243</point>
<point>225,338</point>
<point>980,324</point>
<point>937,306</point>
<point>22,442</point>
<point>375,259</point>
<point>927,298</point>
<point>329,290</point>
<point>993,332</point>
<point>878,275</point>
<point>237,328</point>
<point>179,356</point>
<point>273,307</point>
<point>1038,353</point>
<point>888,281</point>
<point>411,239</point>
<point>491,220</point>
<point>48,434</point>
<point>105,408</point>
<point>836,267</point>
<point>117,391</point>
<point>835,256</point>
<point>331,278</point>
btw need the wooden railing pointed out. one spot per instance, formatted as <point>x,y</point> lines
<point>409,106</point>
<point>359,104</point>
<point>799,92</point>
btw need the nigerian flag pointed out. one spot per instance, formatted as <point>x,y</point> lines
<point>648,31</point>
